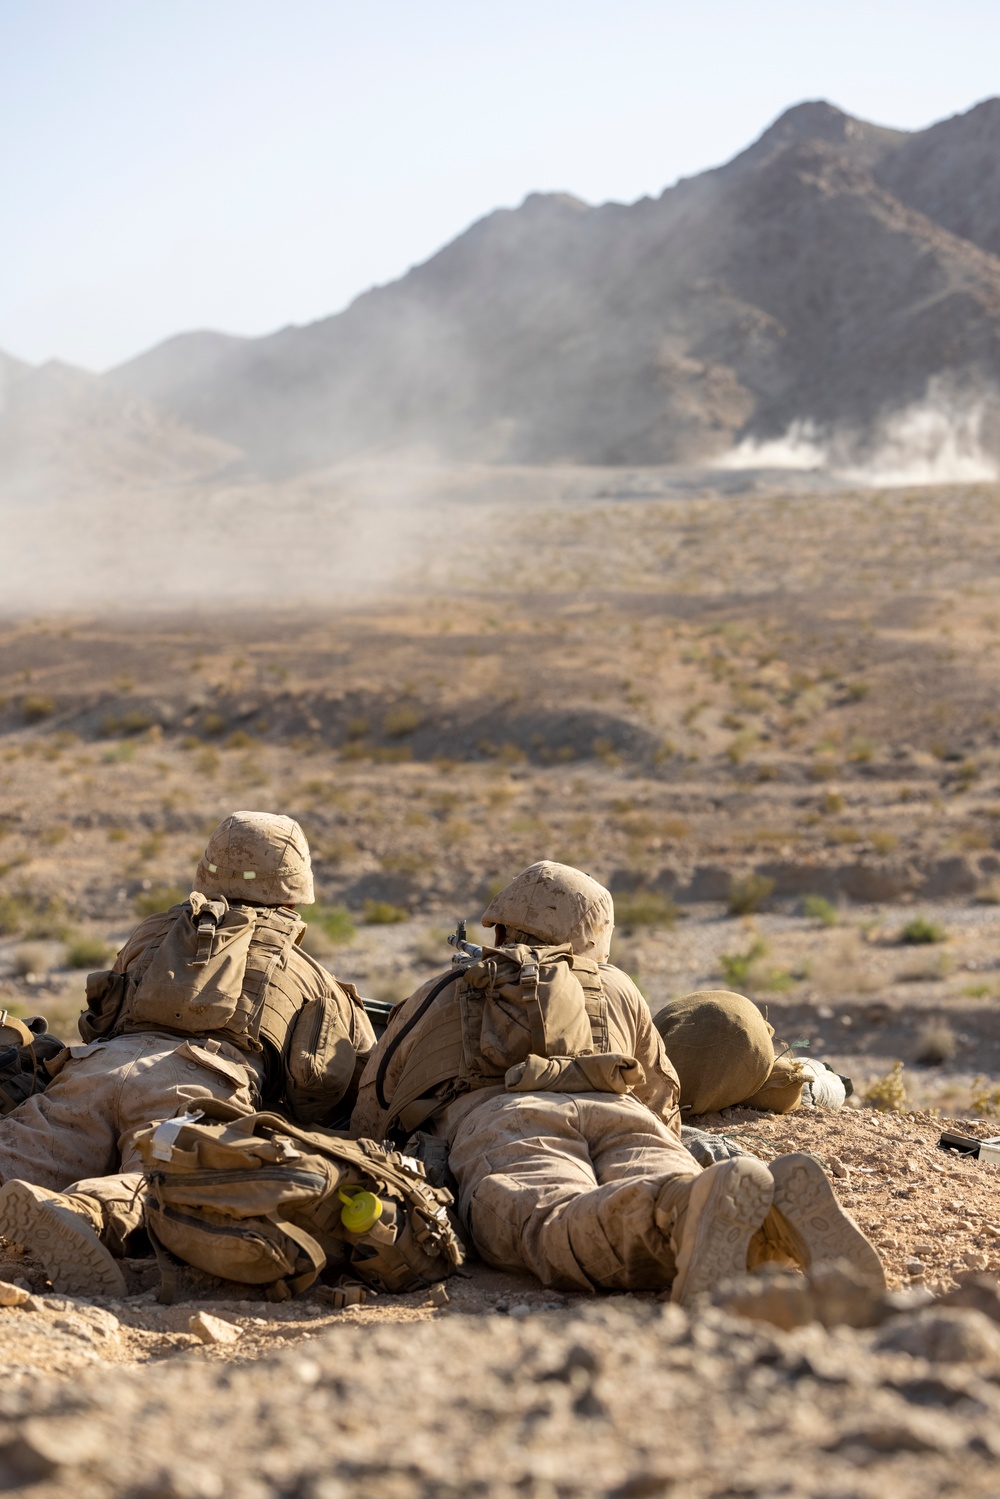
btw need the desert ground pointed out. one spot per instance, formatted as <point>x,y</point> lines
<point>766,714</point>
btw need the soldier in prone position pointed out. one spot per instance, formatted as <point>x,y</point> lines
<point>213,999</point>
<point>540,1069</point>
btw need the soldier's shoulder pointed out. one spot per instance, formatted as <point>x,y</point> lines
<point>617,983</point>
<point>311,973</point>
<point>150,929</point>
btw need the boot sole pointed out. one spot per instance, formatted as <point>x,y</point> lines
<point>734,1209</point>
<point>75,1260</point>
<point>821,1230</point>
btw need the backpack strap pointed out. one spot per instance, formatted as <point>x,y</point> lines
<point>206,914</point>
<point>536,1020</point>
<point>284,1290</point>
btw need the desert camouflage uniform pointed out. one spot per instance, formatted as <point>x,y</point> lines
<point>77,1137</point>
<point>586,1189</point>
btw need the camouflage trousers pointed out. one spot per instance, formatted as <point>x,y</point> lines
<point>565,1186</point>
<point>78,1136</point>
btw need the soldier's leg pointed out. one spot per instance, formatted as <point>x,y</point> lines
<point>69,1131</point>
<point>530,1195</point>
<point>519,1161</point>
<point>65,1231</point>
<point>142,1079</point>
<point>173,1077</point>
<point>807,1225</point>
<point>655,1218</point>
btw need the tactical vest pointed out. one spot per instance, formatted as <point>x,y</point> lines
<point>225,971</point>
<point>479,1022</point>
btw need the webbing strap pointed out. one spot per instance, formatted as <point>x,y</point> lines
<point>284,1290</point>
<point>536,1020</point>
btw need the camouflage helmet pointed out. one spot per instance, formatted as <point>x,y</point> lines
<point>260,857</point>
<point>558,904</point>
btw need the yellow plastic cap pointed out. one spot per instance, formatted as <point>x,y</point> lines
<point>361,1211</point>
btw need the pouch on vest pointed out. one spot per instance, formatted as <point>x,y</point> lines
<point>194,981</point>
<point>257,1200</point>
<point>320,1060</point>
<point>533,1004</point>
<point>106,993</point>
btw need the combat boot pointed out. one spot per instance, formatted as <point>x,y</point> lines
<point>710,1220</point>
<point>63,1232</point>
<point>807,1225</point>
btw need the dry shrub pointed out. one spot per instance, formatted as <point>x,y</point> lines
<point>845,967</point>
<point>888,1092</point>
<point>87,952</point>
<point>818,908</point>
<point>383,913</point>
<point>749,893</point>
<point>936,1043</point>
<point>985,1098</point>
<point>158,898</point>
<point>921,931</point>
<point>645,908</point>
<point>29,960</point>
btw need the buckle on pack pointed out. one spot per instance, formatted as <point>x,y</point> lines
<point>164,1136</point>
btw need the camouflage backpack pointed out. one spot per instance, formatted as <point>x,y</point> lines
<point>255,1199</point>
<point>28,1058</point>
<point>501,1019</point>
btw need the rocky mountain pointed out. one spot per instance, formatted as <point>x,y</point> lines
<point>831,277</point>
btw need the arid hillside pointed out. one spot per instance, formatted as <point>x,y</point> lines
<point>768,721</point>
<point>768,718</point>
<point>837,277</point>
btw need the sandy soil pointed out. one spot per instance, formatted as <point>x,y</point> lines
<point>679,691</point>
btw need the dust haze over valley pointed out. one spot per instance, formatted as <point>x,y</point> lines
<point>826,305</point>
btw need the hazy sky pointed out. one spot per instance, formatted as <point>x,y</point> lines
<point>243,164</point>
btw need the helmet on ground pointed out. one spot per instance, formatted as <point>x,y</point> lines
<point>557,903</point>
<point>260,857</point>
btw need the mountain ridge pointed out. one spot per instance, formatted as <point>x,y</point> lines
<point>832,273</point>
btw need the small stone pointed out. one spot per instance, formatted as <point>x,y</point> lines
<point>975,1259</point>
<point>521,1310</point>
<point>838,1168</point>
<point>949,1335</point>
<point>11,1295</point>
<point>438,1295</point>
<point>209,1329</point>
<point>41,1445</point>
<point>914,1266</point>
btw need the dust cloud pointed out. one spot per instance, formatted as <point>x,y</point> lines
<point>938,440</point>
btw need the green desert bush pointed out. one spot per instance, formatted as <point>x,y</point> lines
<point>645,908</point>
<point>818,908</point>
<point>920,932</point>
<point>748,893</point>
<point>383,913</point>
<point>87,952</point>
